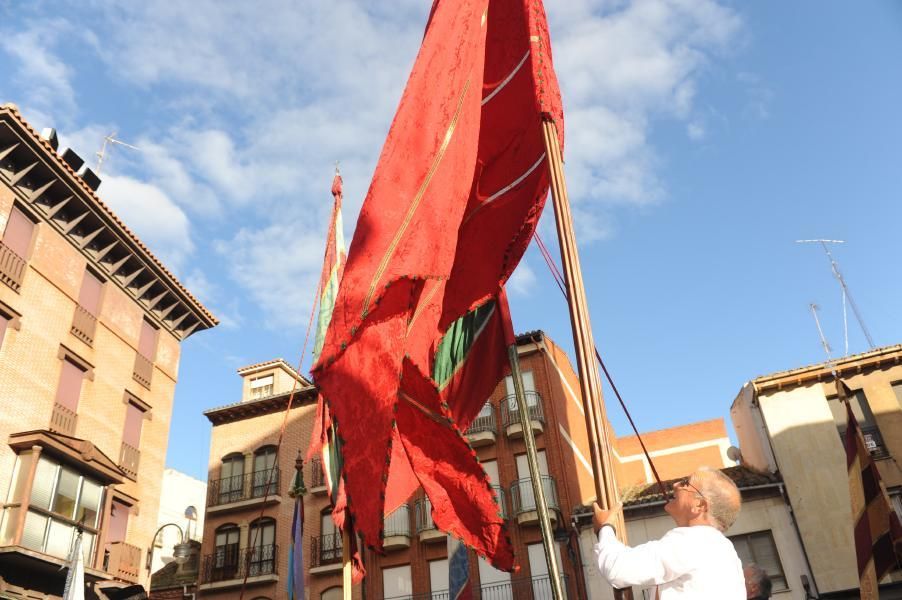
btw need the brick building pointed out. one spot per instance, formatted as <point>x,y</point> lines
<point>247,528</point>
<point>90,327</point>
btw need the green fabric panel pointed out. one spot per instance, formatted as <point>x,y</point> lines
<point>456,343</point>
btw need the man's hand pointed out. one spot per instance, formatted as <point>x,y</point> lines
<point>605,517</point>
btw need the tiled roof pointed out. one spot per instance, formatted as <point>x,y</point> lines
<point>261,406</point>
<point>875,353</point>
<point>529,336</point>
<point>13,110</point>
<point>276,361</point>
<point>649,493</point>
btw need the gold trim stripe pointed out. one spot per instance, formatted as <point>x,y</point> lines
<point>417,199</point>
<point>424,302</point>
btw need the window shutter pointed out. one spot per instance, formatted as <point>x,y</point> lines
<point>42,488</point>
<point>89,296</point>
<point>118,522</point>
<point>134,420</point>
<point>17,236</point>
<point>69,389</point>
<point>147,343</point>
<point>3,323</point>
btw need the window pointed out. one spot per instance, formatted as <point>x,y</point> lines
<point>18,233</point>
<point>897,388</point>
<point>538,567</point>
<point>134,420</point>
<point>396,583</point>
<point>9,319</point>
<point>759,548</point>
<point>266,475</point>
<point>69,389</point>
<point>895,500</point>
<point>4,323</point>
<point>529,387</point>
<point>438,578</point>
<point>61,499</point>
<point>333,593</point>
<point>231,482</point>
<point>262,387</point>
<point>493,583</point>
<point>89,295</point>
<point>873,441</point>
<point>147,343</point>
<point>261,543</point>
<point>118,522</point>
<point>225,555</point>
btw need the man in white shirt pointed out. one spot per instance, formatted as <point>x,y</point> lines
<point>693,560</point>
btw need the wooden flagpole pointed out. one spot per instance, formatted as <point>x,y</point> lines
<point>538,489</point>
<point>589,380</point>
<point>346,564</point>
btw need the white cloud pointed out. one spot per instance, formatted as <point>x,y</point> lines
<point>279,266</point>
<point>152,215</point>
<point>43,79</point>
<point>523,280</point>
<point>696,131</point>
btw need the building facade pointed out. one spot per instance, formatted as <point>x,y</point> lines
<point>249,513</point>
<point>90,327</point>
<point>179,492</point>
<point>791,423</point>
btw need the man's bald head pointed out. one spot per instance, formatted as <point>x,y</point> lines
<point>721,494</point>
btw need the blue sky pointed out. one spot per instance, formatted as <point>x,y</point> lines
<point>703,138</point>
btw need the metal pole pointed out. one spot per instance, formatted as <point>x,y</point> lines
<point>535,475</point>
<point>584,344</point>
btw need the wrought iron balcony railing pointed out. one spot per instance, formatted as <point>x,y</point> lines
<point>534,588</point>
<point>248,486</point>
<point>510,415</point>
<point>229,563</point>
<point>873,441</point>
<point>398,522</point>
<point>484,422</point>
<point>325,550</point>
<point>523,497</point>
<point>423,514</point>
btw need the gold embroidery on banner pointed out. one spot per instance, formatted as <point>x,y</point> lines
<point>416,200</point>
<point>423,303</point>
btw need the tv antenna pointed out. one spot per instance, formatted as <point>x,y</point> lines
<point>820,332</point>
<point>110,140</point>
<point>846,294</point>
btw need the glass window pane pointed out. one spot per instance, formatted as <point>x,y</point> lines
<point>66,493</point>
<point>33,534</point>
<point>59,539</point>
<point>89,504</point>
<point>42,488</point>
<point>87,547</point>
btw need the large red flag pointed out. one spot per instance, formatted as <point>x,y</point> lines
<point>454,201</point>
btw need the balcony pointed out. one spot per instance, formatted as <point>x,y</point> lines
<point>426,529</point>
<point>326,553</point>
<point>242,491</point>
<point>228,566</point>
<point>396,533</point>
<point>535,588</point>
<point>502,502</point>
<point>84,324</point>
<point>12,268</point>
<point>484,428</point>
<point>143,371</point>
<point>122,561</point>
<point>523,500</point>
<point>510,415</point>
<point>129,457</point>
<point>317,477</point>
<point>63,420</point>
<point>873,441</point>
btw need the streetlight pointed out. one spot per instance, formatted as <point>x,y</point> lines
<point>182,550</point>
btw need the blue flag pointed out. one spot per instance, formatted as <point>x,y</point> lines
<point>296,552</point>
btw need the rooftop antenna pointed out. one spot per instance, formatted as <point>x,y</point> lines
<point>846,294</point>
<point>109,140</point>
<point>820,332</point>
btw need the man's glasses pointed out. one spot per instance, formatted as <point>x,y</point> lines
<point>684,483</point>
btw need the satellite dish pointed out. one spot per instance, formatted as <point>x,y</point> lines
<point>734,454</point>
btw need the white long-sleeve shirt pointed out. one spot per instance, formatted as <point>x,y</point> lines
<point>696,562</point>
